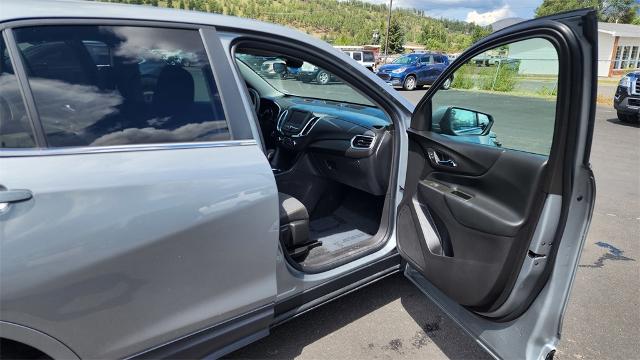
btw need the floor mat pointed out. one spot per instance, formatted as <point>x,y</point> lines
<point>335,233</point>
<point>350,227</point>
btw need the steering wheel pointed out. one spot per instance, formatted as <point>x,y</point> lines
<point>255,99</point>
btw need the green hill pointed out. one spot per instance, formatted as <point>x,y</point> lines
<point>350,22</point>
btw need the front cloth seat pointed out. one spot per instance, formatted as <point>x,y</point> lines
<point>294,222</point>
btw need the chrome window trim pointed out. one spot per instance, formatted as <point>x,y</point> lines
<point>85,150</point>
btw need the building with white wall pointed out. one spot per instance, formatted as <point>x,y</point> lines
<point>618,48</point>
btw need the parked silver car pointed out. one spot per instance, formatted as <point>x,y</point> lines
<point>182,209</point>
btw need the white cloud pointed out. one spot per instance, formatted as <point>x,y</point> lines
<point>460,9</point>
<point>489,17</point>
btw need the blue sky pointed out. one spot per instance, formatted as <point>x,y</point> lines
<point>482,12</point>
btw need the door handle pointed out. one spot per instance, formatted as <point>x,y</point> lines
<point>11,196</point>
<point>448,163</point>
<point>435,159</point>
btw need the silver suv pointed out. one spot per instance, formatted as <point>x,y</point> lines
<point>162,197</point>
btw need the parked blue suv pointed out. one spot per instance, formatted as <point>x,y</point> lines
<point>415,70</point>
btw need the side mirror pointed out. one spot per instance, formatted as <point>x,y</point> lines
<point>465,122</point>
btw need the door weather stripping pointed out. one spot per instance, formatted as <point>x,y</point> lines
<point>536,259</point>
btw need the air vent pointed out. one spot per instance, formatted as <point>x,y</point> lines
<point>362,141</point>
<point>307,128</point>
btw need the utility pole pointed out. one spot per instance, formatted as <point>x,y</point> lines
<point>386,39</point>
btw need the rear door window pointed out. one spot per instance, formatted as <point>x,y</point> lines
<point>357,56</point>
<point>15,126</point>
<point>119,85</point>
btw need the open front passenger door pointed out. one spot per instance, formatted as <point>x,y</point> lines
<point>499,191</point>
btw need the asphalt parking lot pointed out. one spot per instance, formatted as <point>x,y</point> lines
<point>391,319</point>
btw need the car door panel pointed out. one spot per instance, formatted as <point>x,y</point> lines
<point>493,234</point>
<point>477,210</point>
<point>143,239</point>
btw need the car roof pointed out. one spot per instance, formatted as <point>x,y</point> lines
<point>52,9</point>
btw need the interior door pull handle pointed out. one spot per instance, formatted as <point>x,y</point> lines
<point>10,196</point>
<point>435,159</point>
<point>449,163</point>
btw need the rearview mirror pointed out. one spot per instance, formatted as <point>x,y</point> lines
<point>279,67</point>
<point>465,122</point>
<point>294,63</point>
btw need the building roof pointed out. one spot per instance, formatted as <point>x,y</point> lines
<point>626,30</point>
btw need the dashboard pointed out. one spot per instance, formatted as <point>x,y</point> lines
<point>345,142</point>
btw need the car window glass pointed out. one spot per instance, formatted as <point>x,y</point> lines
<point>511,90</point>
<point>357,56</point>
<point>118,85</point>
<point>439,59</point>
<point>407,59</point>
<point>426,59</point>
<point>15,126</point>
<point>307,80</point>
<point>368,57</point>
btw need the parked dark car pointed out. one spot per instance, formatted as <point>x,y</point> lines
<point>309,72</point>
<point>415,70</point>
<point>627,98</point>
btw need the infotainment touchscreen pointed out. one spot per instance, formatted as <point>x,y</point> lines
<point>297,118</point>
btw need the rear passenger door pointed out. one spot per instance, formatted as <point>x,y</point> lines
<point>439,65</point>
<point>425,69</point>
<point>137,211</point>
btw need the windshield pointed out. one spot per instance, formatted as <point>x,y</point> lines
<point>406,60</point>
<point>308,80</point>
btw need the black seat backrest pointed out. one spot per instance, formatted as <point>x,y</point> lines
<point>174,91</point>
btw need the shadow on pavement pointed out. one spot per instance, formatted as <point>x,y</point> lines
<point>433,327</point>
<point>622,123</point>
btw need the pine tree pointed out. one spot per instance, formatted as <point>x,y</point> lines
<point>396,38</point>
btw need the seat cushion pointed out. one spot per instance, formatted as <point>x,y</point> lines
<point>291,209</point>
